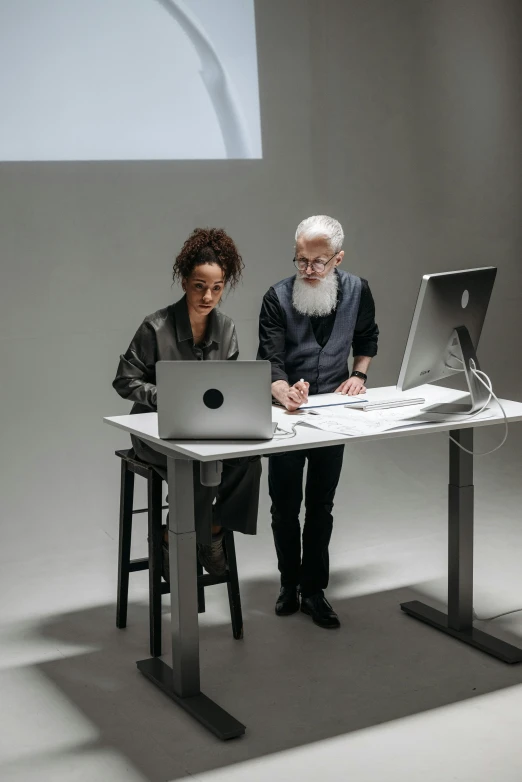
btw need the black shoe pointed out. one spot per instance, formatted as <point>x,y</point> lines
<point>212,557</point>
<point>287,602</point>
<point>322,613</point>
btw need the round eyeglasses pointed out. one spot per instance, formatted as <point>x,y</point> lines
<point>317,266</point>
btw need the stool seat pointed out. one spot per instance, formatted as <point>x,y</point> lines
<point>138,467</point>
<point>131,465</point>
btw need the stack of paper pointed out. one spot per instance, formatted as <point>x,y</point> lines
<point>356,423</point>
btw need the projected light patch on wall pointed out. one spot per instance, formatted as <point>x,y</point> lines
<point>128,80</point>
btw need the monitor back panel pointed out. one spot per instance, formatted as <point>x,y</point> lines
<point>445,301</point>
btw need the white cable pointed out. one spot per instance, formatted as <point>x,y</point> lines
<point>497,616</point>
<point>283,434</point>
<point>476,372</point>
<point>489,386</point>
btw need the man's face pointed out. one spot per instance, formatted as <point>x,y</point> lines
<point>316,250</point>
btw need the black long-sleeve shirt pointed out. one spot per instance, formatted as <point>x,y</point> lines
<point>272,327</point>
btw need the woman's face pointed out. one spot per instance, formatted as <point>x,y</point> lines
<point>204,288</point>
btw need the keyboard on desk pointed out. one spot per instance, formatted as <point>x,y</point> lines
<point>385,404</point>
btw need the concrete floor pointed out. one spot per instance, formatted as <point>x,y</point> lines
<point>385,698</point>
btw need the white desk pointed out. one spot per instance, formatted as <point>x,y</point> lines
<point>182,681</point>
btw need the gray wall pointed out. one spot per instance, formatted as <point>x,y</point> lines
<point>418,149</point>
<point>400,117</point>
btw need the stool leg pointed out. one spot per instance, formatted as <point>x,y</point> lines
<point>201,589</point>
<point>234,598</point>
<point>155,554</point>
<point>124,544</point>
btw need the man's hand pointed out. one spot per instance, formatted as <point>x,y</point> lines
<point>302,388</point>
<point>291,397</point>
<point>351,387</point>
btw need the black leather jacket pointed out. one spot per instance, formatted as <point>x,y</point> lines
<point>166,335</point>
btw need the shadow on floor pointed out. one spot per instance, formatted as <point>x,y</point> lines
<point>289,681</point>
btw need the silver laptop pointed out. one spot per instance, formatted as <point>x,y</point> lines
<point>214,400</point>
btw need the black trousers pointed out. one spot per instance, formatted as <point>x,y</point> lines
<point>236,499</point>
<point>285,482</point>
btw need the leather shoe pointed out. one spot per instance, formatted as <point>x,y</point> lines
<point>322,613</point>
<point>212,557</point>
<point>287,602</point>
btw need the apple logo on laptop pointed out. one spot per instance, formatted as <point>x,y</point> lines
<point>213,398</point>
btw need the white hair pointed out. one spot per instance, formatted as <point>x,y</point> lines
<point>320,299</point>
<point>322,225</point>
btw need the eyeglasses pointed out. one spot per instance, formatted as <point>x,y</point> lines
<point>317,266</point>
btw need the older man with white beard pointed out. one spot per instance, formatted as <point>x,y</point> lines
<point>308,324</point>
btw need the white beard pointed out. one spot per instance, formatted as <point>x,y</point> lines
<point>319,299</point>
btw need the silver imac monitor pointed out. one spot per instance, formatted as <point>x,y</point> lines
<point>445,332</point>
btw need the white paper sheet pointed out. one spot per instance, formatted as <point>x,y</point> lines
<point>356,423</point>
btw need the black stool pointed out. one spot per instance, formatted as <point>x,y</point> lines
<point>130,466</point>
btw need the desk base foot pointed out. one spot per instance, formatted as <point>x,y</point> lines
<point>473,637</point>
<point>212,716</point>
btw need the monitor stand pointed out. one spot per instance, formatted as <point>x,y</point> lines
<point>479,395</point>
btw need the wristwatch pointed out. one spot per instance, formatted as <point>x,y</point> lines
<point>356,373</point>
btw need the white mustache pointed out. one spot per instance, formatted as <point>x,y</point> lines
<point>309,277</point>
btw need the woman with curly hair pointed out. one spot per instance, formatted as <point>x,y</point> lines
<point>193,329</point>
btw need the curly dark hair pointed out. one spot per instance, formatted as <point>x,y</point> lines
<point>209,245</point>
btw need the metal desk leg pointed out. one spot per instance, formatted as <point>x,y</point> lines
<point>458,622</point>
<point>181,682</point>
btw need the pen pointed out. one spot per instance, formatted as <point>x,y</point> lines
<point>301,380</point>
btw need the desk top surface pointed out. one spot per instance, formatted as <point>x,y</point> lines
<point>145,426</point>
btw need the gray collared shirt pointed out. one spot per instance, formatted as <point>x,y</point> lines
<point>166,335</point>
